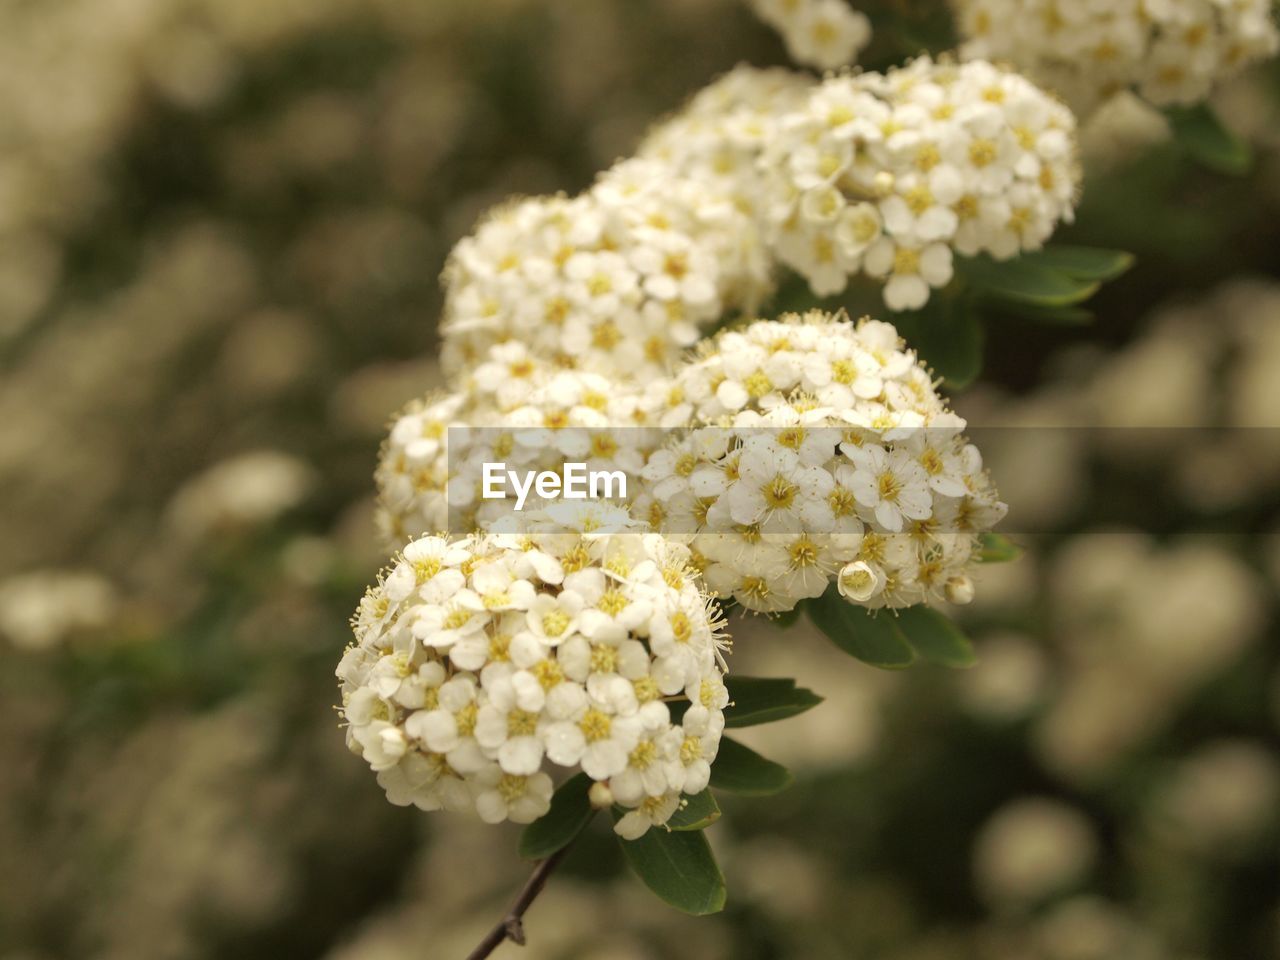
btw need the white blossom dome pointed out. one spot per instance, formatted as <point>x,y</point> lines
<point>890,175</point>
<point>618,281</point>
<point>517,411</point>
<point>485,665</point>
<point>825,454</point>
<point>720,134</point>
<point>1170,51</point>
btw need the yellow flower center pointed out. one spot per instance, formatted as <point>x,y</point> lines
<point>548,673</point>
<point>690,750</point>
<point>466,719</point>
<point>779,493</point>
<point>982,153</point>
<point>595,725</point>
<point>457,619</point>
<point>426,568</point>
<point>681,628</point>
<point>889,487</point>
<point>603,445</point>
<point>792,437</point>
<point>804,553</point>
<point>927,157</point>
<point>521,723</point>
<point>645,752</point>
<point>511,787</point>
<point>605,336</point>
<point>843,503</point>
<point>906,261</point>
<point>555,623</point>
<point>646,689</point>
<point>613,602</point>
<point>604,658</point>
<point>758,385</point>
<point>919,199</point>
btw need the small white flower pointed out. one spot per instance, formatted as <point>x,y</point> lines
<point>652,812</point>
<point>505,796</point>
<point>893,485</point>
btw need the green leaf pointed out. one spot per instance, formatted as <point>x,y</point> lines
<point>739,769</point>
<point>699,812</point>
<point>1024,281</point>
<point>570,811</point>
<point>1200,134</point>
<point>754,700</point>
<point>949,336</point>
<point>997,548</point>
<point>871,638</point>
<point>679,868</point>
<point>1049,316</point>
<point>1082,263</point>
<point>935,637</point>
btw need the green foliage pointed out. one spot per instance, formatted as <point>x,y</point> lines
<point>891,639</point>
<point>935,637</point>
<point>997,548</point>
<point>1042,286</point>
<point>1025,280</point>
<point>698,813</point>
<point>569,814</point>
<point>948,334</point>
<point>679,867</point>
<point>1044,316</point>
<point>1200,134</point>
<point>872,638</point>
<point>739,769</point>
<point>1082,263</point>
<point>755,700</point>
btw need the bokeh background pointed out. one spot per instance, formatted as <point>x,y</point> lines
<point>221,227</point>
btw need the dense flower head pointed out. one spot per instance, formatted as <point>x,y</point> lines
<point>825,454</point>
<point>890,175</point>
<point>818,33</point>
<point>412,475</point>
<point>483,665</point>
<point>617,281</point>
<point>718,137</point>
<point>1170,51</point>
<point>522,413</point>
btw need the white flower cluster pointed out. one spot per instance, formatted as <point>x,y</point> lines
<point>616,281</point>
<point>1170,51</point>
<point>826,453</point>
<point>483,663</point>
<point>818,33</point>
<point>718,137</point>
<point>514,410</point>
<point>889,175</point>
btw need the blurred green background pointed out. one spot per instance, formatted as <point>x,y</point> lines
<point>221,227</point>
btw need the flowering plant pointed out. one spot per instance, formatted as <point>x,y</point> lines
<point>540,668</point>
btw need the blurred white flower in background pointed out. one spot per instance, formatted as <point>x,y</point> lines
<point>244,491</point>
<point>43,608</point>
<point>818,33</point>
<point>1171,51</point>
<point>1030,849</point>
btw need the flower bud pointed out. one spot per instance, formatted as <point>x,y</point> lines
<point>601,796</point>
<point>960,590</point>
<point>858,582</point>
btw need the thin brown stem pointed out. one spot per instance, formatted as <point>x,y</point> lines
<point>511,926</point>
